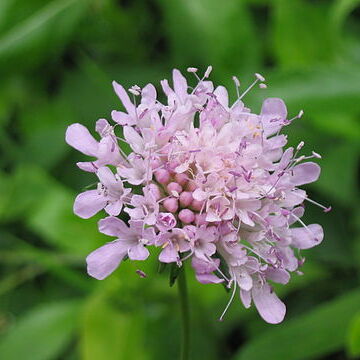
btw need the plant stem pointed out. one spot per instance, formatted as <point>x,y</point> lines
<point>185,323</point>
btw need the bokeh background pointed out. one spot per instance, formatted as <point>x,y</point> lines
<point>57,61</point>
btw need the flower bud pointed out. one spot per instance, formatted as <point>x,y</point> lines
<point>186,216</point>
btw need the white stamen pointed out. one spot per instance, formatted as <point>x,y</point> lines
<point>326,209</point>
<point>300,146</point>
<point>208,71</point>
<point>304,225</point>
<point>237,85</point>
<point>259,77</point>
<point>236,81</point>
<point>135,90</point>
<point>262,86</point>
<point>229,303</point>
<point>192,69</point>
<point>315,154</point>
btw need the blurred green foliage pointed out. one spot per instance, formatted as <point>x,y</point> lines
<point>57,60</point>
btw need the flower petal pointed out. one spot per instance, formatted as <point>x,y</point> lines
<point>113,226</point>
<point>245,297</point>
<point>114,208</point>
<point>88,203</point>
<point>279,275</point>
<point>79,137</point>
<point>303,238</point>
<point>104,260</point>
<point>180,84</point>
<point>305,173</point>
<point>148,95</point>
<point>138,252</point>
<point>124,97</point>
<point>134,139</point>
<point>169,254</point>
<point>269,306</point>
<point>106,176</point>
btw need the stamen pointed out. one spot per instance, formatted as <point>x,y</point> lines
<point>192,69</point>
<point>135,90</point>
<point>300,146</point>
<point>304,225</point>
<point>262,86</point>
<point>259,77</point>
<point>326,209</point>
<point>247,90</point>
<point>315,154</point>
<point>237,85</point>
<point>255,252</point>
<point>229,303</point>
<point>208,72</point>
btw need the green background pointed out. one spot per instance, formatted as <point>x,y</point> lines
<point>57,61</point>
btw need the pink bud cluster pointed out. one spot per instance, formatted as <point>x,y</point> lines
<point>217,187</point>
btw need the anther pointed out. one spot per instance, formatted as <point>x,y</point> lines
<point>318,156</point>
<point>192,69</point>
<point>299,147</point>
<point>208,72</point>
<point>259,77</point>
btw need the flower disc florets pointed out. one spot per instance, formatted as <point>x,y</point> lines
<point>216,187</point>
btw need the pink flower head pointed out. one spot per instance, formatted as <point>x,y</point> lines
<point>207,180</point>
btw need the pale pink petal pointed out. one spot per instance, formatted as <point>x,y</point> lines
<point>79,137</point>
<point>89,166</point>
<point>269,306</point>
<point>275,108</point>
<point>104,260</point>
<point>279,275</point>
<point>244,280</point>
<point>124,97</point>
<point>305,173</point>
<point>306,238</point>
<point>148,95</point>
<point>169,254</point>
<point>245,297</point>
<point>134,139</point>
<point>222,96</point>
<point>138,252</point>
<point>106,177</point>
<point>102,126</point>
<point>113,226</point>
<point>88,203</point>
<point>273,114</point>
<point>180,84</point>
<point>114,208</point>
<point>122,118</point>
<point>208,279</point>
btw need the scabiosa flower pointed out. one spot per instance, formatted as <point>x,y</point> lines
<point>217,187</point>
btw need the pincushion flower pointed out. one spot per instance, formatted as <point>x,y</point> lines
<point>218,189</point>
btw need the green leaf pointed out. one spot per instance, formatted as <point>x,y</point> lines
<point>340,10</point>
<point>207,32</point>
<point>301,33</point>
<point>41,34</point>
<point>174,273</point>
<point>43,125</point>
<point>45,206</point>
<point>107,333</point>
<point>339,169</point>
<point>315,334</point>
<point>353,339</point>
<point>41,334</point>
<point>323,89</point>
